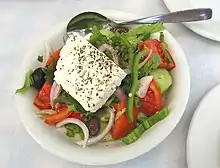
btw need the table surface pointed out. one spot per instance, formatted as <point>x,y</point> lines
<point>23,22</point>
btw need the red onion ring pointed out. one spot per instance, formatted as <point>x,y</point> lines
<point>120,94</point>
<point>99,137</point>
<point>146,59</point>
<point>54,92</point>
<point>80,124</point>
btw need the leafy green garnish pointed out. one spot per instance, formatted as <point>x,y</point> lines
<point>40,58</point>
<point>97,38</point>
<point>142,33</point>
<point>73,104</point>
<point>145,36</point>
<point>72,130</point>
<point>126,43</point>
<point>149,29</point>
<point>27,83</point>
<point>124,40</point>
<point>153,63</point>
<point>167,56</point>
<point>72,107</point>
<point>70,101</point>
<point>165,51</point>
<point>161,37</point>
<point>130,49</point>
<point>49,71</point>
<point>125,50</point>
<point>107,33</point>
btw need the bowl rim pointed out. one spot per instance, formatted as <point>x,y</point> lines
<point>128,156</point>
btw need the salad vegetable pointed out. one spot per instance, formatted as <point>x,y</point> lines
<point>38,78</point>
<point>145,125</point>
<point>40,58</point>
<point>163,78</point>
<point>27,83</point>
<point>108,87</point>
<point>134,84</point>
<point>153,100</point>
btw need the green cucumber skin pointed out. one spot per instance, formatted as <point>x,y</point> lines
<point>144,126</point>
<point>163,79</point>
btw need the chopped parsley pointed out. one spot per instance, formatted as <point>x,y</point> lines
<point>49,71</point>
<point>161,37</point>
<point>167,56</point>
<point>40,58</point>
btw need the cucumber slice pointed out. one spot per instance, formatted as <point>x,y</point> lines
<point>163,79</point>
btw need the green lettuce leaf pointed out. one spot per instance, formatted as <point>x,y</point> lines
<point>147,29</point>
<point>142,33</point>
<point>152,64</point>
<point>69,100</point>
<point>72,130</point>
<point>27,83</point>
<point>107,33</point>
<point>97,38</point>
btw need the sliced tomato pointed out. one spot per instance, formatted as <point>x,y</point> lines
<point>59,107</point>
<point>76,115</point>
<point>166,60</point>
<point>42,100</point>
<point>152,102</point>
<point>171,64</point>
<point>122,125</point>
<point>154,45</point>
<point>61,115</point>
<point>54,56</point>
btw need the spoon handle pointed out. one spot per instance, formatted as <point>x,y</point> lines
<point>175,17</point>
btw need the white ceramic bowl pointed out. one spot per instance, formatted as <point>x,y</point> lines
<point>114,152</point>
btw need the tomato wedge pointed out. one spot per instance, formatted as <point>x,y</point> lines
<point>76,115</point>
<point>166,60</point>
<point>59,107</point>
<point>42,100</point>
<point>122,125</point>
<point>54,56</point>
<point>61,115</point>
<point>152,102</point>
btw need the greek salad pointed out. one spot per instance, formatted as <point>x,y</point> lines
<point>105,88</point>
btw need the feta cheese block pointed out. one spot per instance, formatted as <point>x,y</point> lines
<point>87,74</point>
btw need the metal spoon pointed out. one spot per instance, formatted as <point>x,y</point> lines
<point>84,21</point>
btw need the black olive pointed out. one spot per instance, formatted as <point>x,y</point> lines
<point>38,78</point>
<point>125,84</point>
<point>93,126</point>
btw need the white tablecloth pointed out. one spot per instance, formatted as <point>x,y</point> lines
<point>23,22</point>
